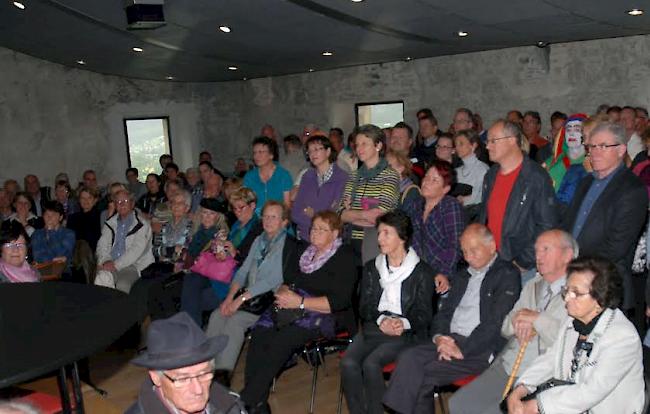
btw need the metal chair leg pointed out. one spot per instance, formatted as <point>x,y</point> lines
<point>314,379</point>
<point>339,405</point>
<point>63,391</point>
<point>76,387</point>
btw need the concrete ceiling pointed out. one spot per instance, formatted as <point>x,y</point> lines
<point>276,37</point>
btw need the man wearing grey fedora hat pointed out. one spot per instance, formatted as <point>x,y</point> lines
<point>179,358</point>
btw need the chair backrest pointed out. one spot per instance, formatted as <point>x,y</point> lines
<point>50,270</point>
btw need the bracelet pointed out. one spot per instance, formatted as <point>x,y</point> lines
<point>302,303</point>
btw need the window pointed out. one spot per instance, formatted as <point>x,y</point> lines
<point>146,140</point>
<point>382,114</point>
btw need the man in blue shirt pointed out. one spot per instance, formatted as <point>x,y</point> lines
<point>268,180</point>
<point>608,210</point>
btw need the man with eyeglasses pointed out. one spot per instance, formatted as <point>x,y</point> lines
<point>179,358</point>
<point>124,248</point>
<point>518,201</point>
<point>535,319</point>
<point>609,207</point>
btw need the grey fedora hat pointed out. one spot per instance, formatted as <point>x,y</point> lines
<point>178,342</point>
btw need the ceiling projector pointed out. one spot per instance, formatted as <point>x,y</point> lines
<point>144,14</point>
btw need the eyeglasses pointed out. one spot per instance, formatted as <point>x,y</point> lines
<point>601,147</point>
<point>567,292</point>
<point>492,141</point>
<point>185,381</point>
<point>121,202</point>
<point>14,245</point>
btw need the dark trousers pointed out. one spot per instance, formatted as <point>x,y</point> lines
<point>268,351</point>
<point>419,371</point>
<point>198,296</point>
<point>362,368</point>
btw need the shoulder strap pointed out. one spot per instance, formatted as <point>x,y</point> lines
<point>407,190</point>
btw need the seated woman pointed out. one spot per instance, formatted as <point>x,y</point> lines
<point>175,233</point>
<point>320,288</point>
<point>85,223</point>
<point>598,351</point>
<point>445,150</point>
<point>400,163</point>
<point>23,215</point>
<point>53,243</point>
<point>395,310</point>
<point>13,262</point>
<point>321,187</point>
<point>260,273</point>
<point>63,194</point>
<point>437,223</point>
<point>147,203</point>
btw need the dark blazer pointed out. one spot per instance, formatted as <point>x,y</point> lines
<point>45,196</point>
<point>417,299</point>
<point>531,210</point>
<point>499,291</point>
<point>614,224</point>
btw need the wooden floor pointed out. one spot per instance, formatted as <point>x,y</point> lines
<point>111,371</point>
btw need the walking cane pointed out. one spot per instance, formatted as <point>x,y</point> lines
<point>515,369</point>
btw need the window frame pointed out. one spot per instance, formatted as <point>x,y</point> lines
<point>357,105</point>
<point>126,134</point>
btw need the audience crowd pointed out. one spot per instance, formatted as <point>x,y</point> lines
<point>504,259</point>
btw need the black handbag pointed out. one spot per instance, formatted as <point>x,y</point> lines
<point>257,304</point>
<point>546,385</point>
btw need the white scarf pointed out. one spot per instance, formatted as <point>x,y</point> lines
<point>391,282</point>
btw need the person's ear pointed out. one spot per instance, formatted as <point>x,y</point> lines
<point>155,378</point>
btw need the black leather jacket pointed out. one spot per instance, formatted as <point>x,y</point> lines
<point>530,211</point>
<point>417,299</point>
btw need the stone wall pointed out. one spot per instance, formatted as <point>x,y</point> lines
<point>55,118</point>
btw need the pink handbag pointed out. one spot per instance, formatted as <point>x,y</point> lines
<point>220,270</point>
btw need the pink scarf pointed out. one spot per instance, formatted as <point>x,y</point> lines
<point>309,263</point>
<point>20,274</point>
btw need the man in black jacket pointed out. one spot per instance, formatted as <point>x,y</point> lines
<point>609,208</point>
<point>179,360</point>
<point>466,328</point>
<point>518,197</point>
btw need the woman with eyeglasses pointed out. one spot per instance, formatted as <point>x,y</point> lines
<point>321,187</point>
<point>316,294</point>
<point>14,267</point>
<point>260,273</point>
<point>437,223</point>
<point>597,353</point>
<point>395,310</point>
<point>199,293</point>
<point>446,151</point>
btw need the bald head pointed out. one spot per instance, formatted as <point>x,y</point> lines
<point>554,249</point>
<point>478,246</point>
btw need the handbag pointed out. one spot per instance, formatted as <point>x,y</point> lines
<point>257,304</point>
<point>209,266</point>
<point>546,385</point>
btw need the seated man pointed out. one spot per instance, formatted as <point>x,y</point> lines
<point>466,327</point>
<point>124,249</point>
<point>535,319</point>
<point>181,367</point>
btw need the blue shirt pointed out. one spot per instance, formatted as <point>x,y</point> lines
<point>595,190</point>
<point>274,189</point>
<point>48,244</point>
<point>123,227</point>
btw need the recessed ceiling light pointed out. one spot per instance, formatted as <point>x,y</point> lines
<point>633,12</point>
<point>81,62</point>
<point>138,49</point>
<point>328,53</point>
<point>20,5</point>
<point>311,70</point>
<point>356,1</point>
<point>224,29</point>
<point>169,77</point>
<point>232,68</point>
<point>462,34</point>
<point>245,78</point>
<point>408,58</point>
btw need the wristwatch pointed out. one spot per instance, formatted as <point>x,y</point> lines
<point>302,303</point>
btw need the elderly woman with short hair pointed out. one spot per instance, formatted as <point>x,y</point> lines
<point>320,289</point>
<point>597,352</point>
<point>14,267</point>
<point>261,272</point>
<point>437,223</point>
